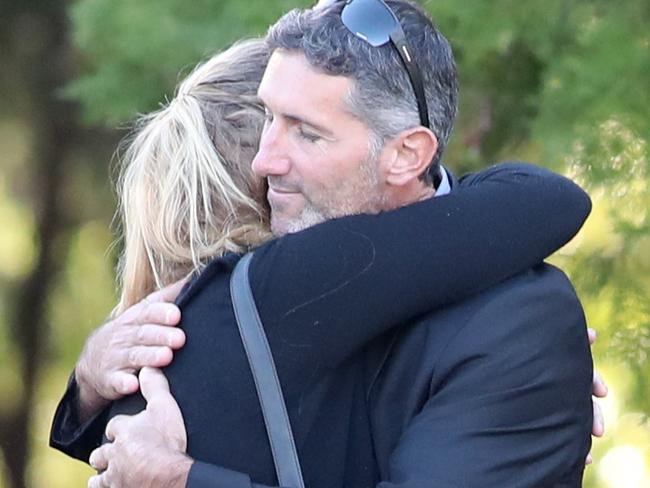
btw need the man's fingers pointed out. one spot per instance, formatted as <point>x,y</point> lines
<point>157,335</point>
<point>99,458</point>
<point>589,459</point>
<point>115,426</point>
<point>153,384</point>
<point>591,333</point>
<point>162,407</point>
<point>123,383</point>
<point>156,357</point>
<point>160,313</point>
<point>160,402</point>
<point>143,312</point>
<point>598,427</point>
<point>167,294</point>
<point>98,481</point>
<point>599,387</point>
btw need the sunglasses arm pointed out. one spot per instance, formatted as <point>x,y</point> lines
<point>398,39</point>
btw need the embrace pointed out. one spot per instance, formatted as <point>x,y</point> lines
<point>419,338</point>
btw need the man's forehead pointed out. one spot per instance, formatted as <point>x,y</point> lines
<point>290,81</point>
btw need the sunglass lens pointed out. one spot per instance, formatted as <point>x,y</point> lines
<point>370,20</point>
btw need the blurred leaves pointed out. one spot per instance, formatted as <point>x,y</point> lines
<point>136,50</point>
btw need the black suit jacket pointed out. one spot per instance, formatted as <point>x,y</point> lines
<point>492,392</point>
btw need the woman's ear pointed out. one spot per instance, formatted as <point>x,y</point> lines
<point>413,151</point>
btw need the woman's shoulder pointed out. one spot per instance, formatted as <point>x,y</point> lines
<point>215,273</point>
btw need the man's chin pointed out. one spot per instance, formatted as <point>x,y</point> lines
<point>282,226</point>
<point>278,229</point>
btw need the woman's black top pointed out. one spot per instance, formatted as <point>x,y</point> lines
<point>324,294</point>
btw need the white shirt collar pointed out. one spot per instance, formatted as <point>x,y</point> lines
<point>445,186</point>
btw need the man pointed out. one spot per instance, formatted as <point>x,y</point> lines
<point>486,406</point>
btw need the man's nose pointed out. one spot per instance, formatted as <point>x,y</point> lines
<point>272,158</point>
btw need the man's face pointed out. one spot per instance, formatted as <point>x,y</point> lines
<point>315,155</point>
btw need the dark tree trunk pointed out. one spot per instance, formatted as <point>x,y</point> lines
<point>44,69</point>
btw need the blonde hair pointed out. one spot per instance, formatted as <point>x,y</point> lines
<point>186,189</point>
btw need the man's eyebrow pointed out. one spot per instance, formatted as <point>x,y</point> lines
<point>297,119</point>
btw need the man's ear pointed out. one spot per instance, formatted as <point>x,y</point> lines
<point>412,153</point>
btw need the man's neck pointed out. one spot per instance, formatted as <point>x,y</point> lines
<point>417,191</point>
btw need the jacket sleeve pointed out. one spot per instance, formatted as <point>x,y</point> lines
<point>335,286</point>
<point>510,404</point>
<point>71,437</point>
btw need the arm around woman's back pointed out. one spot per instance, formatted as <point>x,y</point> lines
<point>326,291</point>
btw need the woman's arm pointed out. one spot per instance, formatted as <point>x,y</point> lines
<point>328,290</point>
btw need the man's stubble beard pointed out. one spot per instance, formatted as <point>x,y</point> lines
<point>363,195</point>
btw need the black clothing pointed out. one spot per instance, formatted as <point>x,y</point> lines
<point>339,300</point>
<point>503,398</point>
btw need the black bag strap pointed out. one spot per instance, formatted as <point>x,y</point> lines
<point>269,391</point>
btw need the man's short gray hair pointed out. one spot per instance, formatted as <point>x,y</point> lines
<point>382,96</point>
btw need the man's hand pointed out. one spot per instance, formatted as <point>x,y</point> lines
<point>599,390</point>
<point>148,448</point>
<point>144,335</point>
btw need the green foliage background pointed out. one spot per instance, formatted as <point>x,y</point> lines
<point>563,83</point>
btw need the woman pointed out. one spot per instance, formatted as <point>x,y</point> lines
<point>191,206</point>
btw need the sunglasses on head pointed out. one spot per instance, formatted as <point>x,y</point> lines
<point>375,22</point>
